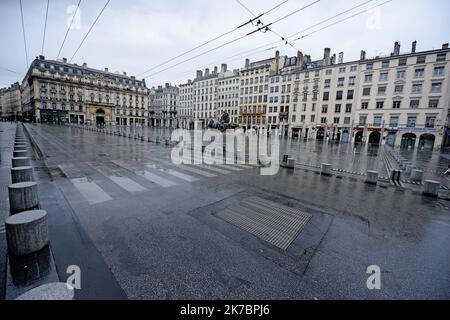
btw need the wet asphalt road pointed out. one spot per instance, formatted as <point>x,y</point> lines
<point>154,224</point>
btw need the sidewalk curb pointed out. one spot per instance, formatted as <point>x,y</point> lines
<point>38,152</point>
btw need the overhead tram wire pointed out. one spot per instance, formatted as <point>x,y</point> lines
<point>213,39</point>
<point>23,32</point>
<point>68,29</point>
<point>45,27</point>
<point>279,42</point>
<point>90,29</point>
<point>231,41</point>
<point>259,21</point>
<point>241,54</point>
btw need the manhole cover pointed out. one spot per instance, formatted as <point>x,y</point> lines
<point>272,222</point>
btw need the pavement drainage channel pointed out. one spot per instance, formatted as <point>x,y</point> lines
<point>272,222</point>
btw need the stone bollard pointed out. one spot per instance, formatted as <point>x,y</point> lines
<point>157,139</point>
<point>327,169</point>
<point>403,164</point>
<point>168,143</point>
<point>23,196</point>
<point>142,138</point>
<point>20,162</point>
<point>20,154</point>
<point>417,175</point>
<point>20,148</point>
<point>409,167</point>
<point>56,291</point>
<point>431,188</point>
<point>22,174</point>
<point>372,177</point>
<point>149,140</point>
<point>26,232</point>
<point>290,163</point>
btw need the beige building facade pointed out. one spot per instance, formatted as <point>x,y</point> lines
<point>60,92</point>
<point>10,102</point>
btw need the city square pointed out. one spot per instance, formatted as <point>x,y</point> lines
<point>312,168</point>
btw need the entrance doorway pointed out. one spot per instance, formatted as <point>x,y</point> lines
<point>100,117</point>
<point>375,137</point>
<point>390,140</point>
<point>359,137</point>
<point>426,142</point>
<point>408,141</point>
<point>345,136</point>
<point>320,134</point>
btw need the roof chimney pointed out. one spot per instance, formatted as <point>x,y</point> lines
<point>223,68</point>
<point>414,47</point>
<point>396,48</point>
<point>299,58</point>
<point>199,73</point>
<point>445,46</point>
<point>106,70</point>
<point>84,65</point>
<point>64,60</point>
<point>206,72</point>
<point>247,63</point>
<point>363,55</point>
<point>215,69</point>
<point>327,56</point>
<point>124,73</point>
<point>341,58</point>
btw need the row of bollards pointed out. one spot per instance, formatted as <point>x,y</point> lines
<point>26,227</point>
<point>430,187</point>
<point>125,135</point>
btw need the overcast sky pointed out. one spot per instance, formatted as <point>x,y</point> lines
<point>136,35</point>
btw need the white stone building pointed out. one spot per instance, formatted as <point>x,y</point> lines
<point>228,94</point>
<point>185,105</point>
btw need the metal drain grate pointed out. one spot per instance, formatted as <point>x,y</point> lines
<point>272,222</point>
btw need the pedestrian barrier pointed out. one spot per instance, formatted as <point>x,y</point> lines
<point>22,174</point>
<point>20,162</point>
<point>326,169</point>
<point>26,232</point>
<point>431,188</point>
<point>23,196</point>
<point>372,177</point>
<point>417,175</point>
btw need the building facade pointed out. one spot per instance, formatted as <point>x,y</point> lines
<point>163,106</point>
<point>254,90</point>
<point>228,94</point>
<point>403,99</point>
<point>59,92</point>
<point>205,96</point>
<point>185,105</point>
<point>10,103</point>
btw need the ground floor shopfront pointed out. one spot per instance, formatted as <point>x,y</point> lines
<point>405,138</point>
<point>91,116</point>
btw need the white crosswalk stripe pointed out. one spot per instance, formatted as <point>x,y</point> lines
<point>197,171</point>
<point>90,191</point>
<point>229,167</point>
<point>127,184</point>
<point>165,183</point>
<point>174,173</point>
<point>124,182</point>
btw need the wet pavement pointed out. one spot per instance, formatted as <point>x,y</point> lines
<point>156,228</point>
